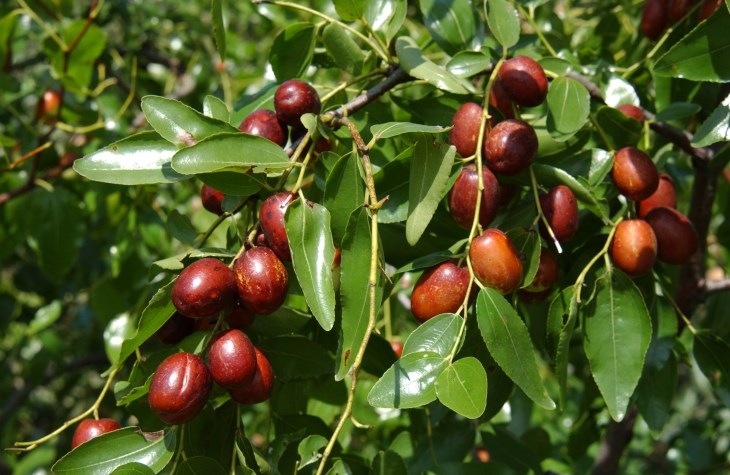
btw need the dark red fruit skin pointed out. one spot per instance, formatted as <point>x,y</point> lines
<point>630,110</point>
<point>240,317</point>
<point>678,9</point>
<point>665,195</point>
<point>440,289</point>
<point>271,217</point>
<point>463,197</point>
<point>90,428</point>
<point>205,324</point>
<point>232,359</point>
<point>262,280</point>
<point>499,100</point>
<point>212,199</point>
<point>634,174</point>
<point>654,18</point>
<point>547,272</point>
<point>524,81</point>
<point>293,99</point>
<point>634,247</point>
<point>707,9</point>
<point>264,123</point>
<point>495,261</point>
<point>397,346</point>
<point>204,288</point>
<point>676,236</point>
<point>180,388</point>
<point>259,389</point>
<point>561,211</point>
<point>465,134</point>
<point>533,297</point>
<point>175,329</point>
<point>510,147</point>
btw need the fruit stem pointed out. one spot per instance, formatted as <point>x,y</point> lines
<point>540,214</point>
<point>582,276</point>
<point>529,17</point>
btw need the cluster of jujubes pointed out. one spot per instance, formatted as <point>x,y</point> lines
<point>657,15</point>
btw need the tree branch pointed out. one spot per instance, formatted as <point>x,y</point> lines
<point>617,438</point>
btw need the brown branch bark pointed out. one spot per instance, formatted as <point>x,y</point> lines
<point>617,438</point>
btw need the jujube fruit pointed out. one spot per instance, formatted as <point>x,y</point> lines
<point>499,100</point>
<point>533,297</point>
<point>524,81</point>
<point>90,428</point>
<point>676,236</point>
<point>262,280</point>
<point>510,147</point>
<point>561,211</point>
<point>634,174</point>
<point>48,104</point>
<point>654,18</point>
<point>463,197</point>
<point>232,359</point>
<point>678,9</point>
<point>175,329</point>
<point>465,131</point>
<point>212,199</point>
<point>440,289</point>
<point>293,99</point>
<point>665,195</point>
<point>397,347</point>
<point>495,261</point>
<point>271,217</point>
<point>265,123</point>
<point>634,247</point>
<point>707,9</point>
<point>180,388</point>
<point>204,288</point>
<point>630,110</point>
<point>547,272</point>
<point>240,317</point>
<point>259,388</point>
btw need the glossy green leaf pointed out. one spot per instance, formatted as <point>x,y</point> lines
<point>527,244</point>
<point>713,358</point>
<point>450,23</point>
<point>619,91</point>
<point>262,99</point>
<point>233,182</point>
<point>230,150</point>
<point>339,467</point>
<point>568,104</point>
<point>504,22</point>
<point>133,468</point>
<point>219,28</point>
<point>437,335</point>
<point>199,465</point>
<point>295,357</point>
<point>180,227</point>
<point>617,334</point>
<point>117,330</point>
<point>702,55</point>
<point>410,382</point>
<point>716,128</point>
<point>413,61</point>
<point>344,192</point>
<point>309,449</point>
<point>216,109</point>
<point>346,53</point>
<point>550,176</point>
<point>393,129</point>
<point>388,463</point>
<point>617,130</point>
<point>462,387</point>
<point>139,159</point>
<point>655,394</point>
<point>126,396</point>
<point>562,316</point>
<point>179,124</point>
<point>313,252</point>
<point>389,182</point>
<point>678,111</point>
<point>44,317</point>
<point>293,50</point>
<point>349,10</point>
<point>430,171</point>
<point>386,16</point>
<point>593,164</point>
<point>466,64</point>
<point>105,453</point>
<point>509,343</point>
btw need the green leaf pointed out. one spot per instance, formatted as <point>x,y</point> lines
<point>219,28</point>
<point>44,317</point>
<point>344,192</point>
<point>117,330</point>
<point>388,463</point>
<point>133,468</point>
<point>655,394</point>
<point>508,449</point>
<point>417,65</point>
<point>437,335</point>
<point>230,150</point>
<point>568,104</point>
<point>430,171</point>
<point>678,111</point>
<point>466,64</point>
<point>199,465</point>
<point>504,22</point>
<point>619,91</point>
<point>114,449</point>
<point>295,357</point>
<point>509,343</point>
<point>76,70</point>
<point>389,182</point>
<point>713,358</point>
<point>139,159</point>
<point>179,124</point>
<point>216,109</point>
<point>346,53</point>
<point>293,50</point>
<point>617,335</point>
<point>562,315</point>
<point>349,10</point>
<point>616,129</point>
<point>180,227</point>
<point>410,382</point>
<point>393,129</point>
<point>527,244</point>
<point>309,449</point>
<point>339,468</point>
<point>716,128</point>
<point>462,387</point>
<point>450,22</point>
<point>549,176</point>
<point>313,252</point>
<point>233,183</point>
<point>262,99</point>
<point>702,55</point>
<point>386,16</point>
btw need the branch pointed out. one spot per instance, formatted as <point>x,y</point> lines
<point>617,438</point>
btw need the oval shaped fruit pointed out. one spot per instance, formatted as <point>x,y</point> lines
<point>48,105</point>
<point>630,110</point>
<point>232,359</point>
<point>397,347</point>
<point>293,99</point>
<point>634,174</point>
<point>665,195</point>
<point>495,261</point>
<point>511,146</point>
<point>265,123</point>
<point>440,289</point>
<point>90,428</point>
<point>262,280</point>
<point>707,9</point>
<point>524,81</point>
<point>204,288</point>
<point>634,247</point>
<point>561,211</point>
<point>676,236</point>
<point>463,197</point>
<point>465,131</point>
<point>499,100</point>
<point>175,329</point>
<point>654,18</point>
<point>180,388</point>
<point>240,317</point>
<point>678,9</point>
<point>212,199</point>
<point>547,272</point>
<point>271,217</point>
<point>259,389</point>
